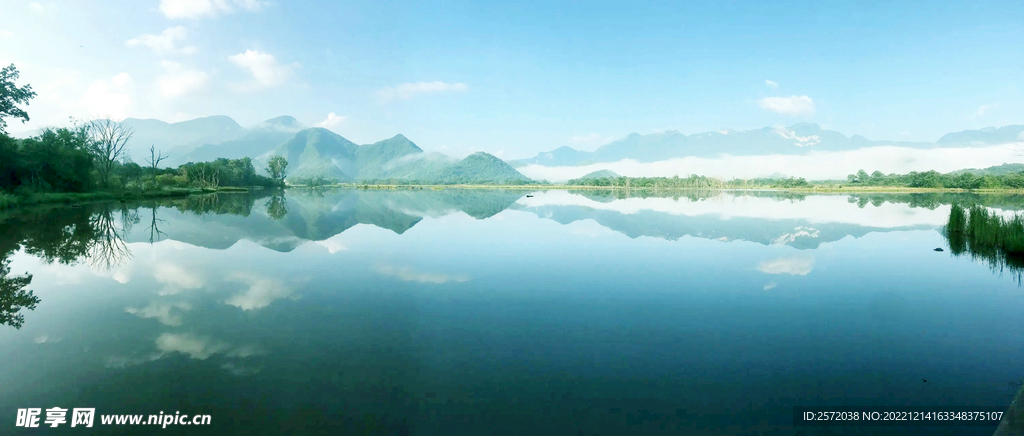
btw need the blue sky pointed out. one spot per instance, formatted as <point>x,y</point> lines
<point>515,78</point>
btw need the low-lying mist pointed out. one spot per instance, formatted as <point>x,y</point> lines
<point>812,166</point>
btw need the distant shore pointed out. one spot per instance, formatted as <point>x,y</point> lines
<point>808,189</point>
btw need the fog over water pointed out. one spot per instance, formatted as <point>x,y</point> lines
<point>813,166</point>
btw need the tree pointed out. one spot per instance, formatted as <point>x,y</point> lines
<point>154,158</point>
<point>109,140</point>
<point>11,96</point>
<point>58,160</point>
<point>277,167</point>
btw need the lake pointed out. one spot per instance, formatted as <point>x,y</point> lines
<point>490,312</point>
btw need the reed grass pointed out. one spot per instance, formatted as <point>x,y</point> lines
<point>987,236</point>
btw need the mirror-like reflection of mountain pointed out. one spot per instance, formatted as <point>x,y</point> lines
<point>283,222</point>
<point>464,311</point>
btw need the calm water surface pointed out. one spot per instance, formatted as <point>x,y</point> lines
<point>471,312</point>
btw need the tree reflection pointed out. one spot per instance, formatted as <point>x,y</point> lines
<point>277,207</point>
<point>154,230</point>
<point>93,233</point>
<point>109,249</point>
<point>13,296</point>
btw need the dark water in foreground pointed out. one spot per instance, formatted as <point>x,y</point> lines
<point>488,312</point>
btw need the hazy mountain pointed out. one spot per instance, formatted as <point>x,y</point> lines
<point>256,141</point>
<point>797,139</point>
<point>372,159</point>
<point>601,174</point>
<point>999,170</point>
<point>318,152</point>
<point>986,136</point>
<point>481,167</point>
<point>179,138</point>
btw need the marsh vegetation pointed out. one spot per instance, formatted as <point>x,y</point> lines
<point>985,235</point>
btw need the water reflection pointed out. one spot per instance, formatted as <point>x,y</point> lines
<point>13,296</point>
<point>489,312</point>
<point>988,236</point>
<point>102,234</point>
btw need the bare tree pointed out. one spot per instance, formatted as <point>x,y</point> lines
<point>109,142</point>
<point>154,158</point>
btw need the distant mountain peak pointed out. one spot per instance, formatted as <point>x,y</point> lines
<point>284,123</point>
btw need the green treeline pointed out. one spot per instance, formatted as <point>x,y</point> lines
<point>935,179</point>
<point>693,181</point>
<point>91,157</point>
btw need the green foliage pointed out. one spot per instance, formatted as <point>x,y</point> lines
<point>691,182</point>
<point>966,179</point>
<point>315,180</point>
<point>277,207</point>
<point>277,167</point>
<point>989,237</point>
<point>55,161</point>
<point>224,172</point>
<point>11,96</point>
<point>13,296</point>
<point>8,200</point>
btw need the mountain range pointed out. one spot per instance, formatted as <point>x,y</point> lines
<point>798,139</point>
<point>315,152</point>
<point>312,152</point>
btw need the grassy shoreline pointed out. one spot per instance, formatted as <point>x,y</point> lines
<point>809,189</point>
<point>10,201</point>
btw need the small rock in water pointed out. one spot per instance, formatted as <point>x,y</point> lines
<point>939,249</point>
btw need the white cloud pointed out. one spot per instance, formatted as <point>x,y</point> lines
<point>409,90</point>
<point>794,105</point>
<point>333,120</point>
<point>796,266</point>
<point>6,33</point>
<point>176,278</point>
<point>165,42</point>
<point>186,343</point>
<point>770,285</point>
<point>262,291</point>
<point>819,209</point>
<point>43,8</point>
<point>771,84</point>
<point>167,314</point>
<point>801,141</point>
<point>196,9</point>
<point>799,232</point>
<point>266,71</point>
<point>410,275</point>
<point>108,97</point>
<point>252,5</point>
<point>591,141</point>
<point>178,81</point>
<point>240,370</point>
<point>332,245</point>
<point>814,165</point>
<point>985,108</point>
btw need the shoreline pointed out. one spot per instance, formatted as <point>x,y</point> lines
<point>11,201</point>
<point>811,189</point>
